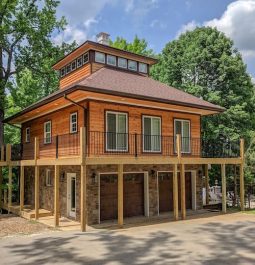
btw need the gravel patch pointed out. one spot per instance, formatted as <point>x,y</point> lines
<point>14,225</point>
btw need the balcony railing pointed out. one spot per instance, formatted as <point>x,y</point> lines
<point>136,145</point>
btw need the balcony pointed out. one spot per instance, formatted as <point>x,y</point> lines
<point>102,144</point>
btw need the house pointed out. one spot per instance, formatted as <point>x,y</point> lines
<point>113,143</point>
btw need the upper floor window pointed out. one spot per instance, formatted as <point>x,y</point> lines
<point>28,135</point>
<point>73,122</point>
<point>182,127</point>
<point>111,60</point>
<point>132,65</point>
<point>85,58</point>
<point>143,68</point>
<point>47,132</point>
<point>151,134</point>
<point>99,57</point>
<point>79,62</point>
<point>122,62</point>
<point>62,71</point>
<point>68,68</point>
<point>73,65</point>
<point>116,131</point>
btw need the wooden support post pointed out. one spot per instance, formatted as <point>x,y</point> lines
<point>8,152</point>
<point>183,191</point>
<point>10,188</point>
<point>2,153</point>
<point>1,190</point>
<point>36,149</point>
<point>207,184</point>
<point>242,204</point>
<point>223,188</point>
<point>178,146</point>
<point>56,196</point>
<point>37,193</point>
<point>21,194</point>
<point>175,193</point>
<point>120,195</point>
<point>83,179</point>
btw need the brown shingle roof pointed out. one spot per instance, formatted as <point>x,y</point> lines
<point>132,84</point>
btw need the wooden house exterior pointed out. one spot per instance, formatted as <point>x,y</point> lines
<point>112,143</point>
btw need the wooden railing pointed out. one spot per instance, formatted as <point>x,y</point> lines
<point>125,144</point>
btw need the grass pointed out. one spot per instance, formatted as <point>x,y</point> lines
<point>249,211</point>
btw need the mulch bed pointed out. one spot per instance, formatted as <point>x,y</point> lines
<point>14,225</point>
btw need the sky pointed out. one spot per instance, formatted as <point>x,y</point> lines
<point>160,21</point>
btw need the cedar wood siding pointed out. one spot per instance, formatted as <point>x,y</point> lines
<point>96,122</point>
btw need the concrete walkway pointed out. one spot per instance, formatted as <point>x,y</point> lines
<point>224,239</point>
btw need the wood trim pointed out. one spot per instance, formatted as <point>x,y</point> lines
<point>120,195</point>
<point>56,196</point>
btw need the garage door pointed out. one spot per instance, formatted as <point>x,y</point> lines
<point>108,197</point>
<point>165,187</point>
<point>133,194</point>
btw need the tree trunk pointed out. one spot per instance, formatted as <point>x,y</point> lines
<point>2,97</point>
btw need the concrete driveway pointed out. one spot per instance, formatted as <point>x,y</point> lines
<point>225,239</point>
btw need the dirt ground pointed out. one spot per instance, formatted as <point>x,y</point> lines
<point>14,225</point>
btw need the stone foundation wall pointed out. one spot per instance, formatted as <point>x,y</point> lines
<point>93,200</point>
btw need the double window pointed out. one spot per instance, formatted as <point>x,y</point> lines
<point>116,131</point>
<point>47,132</point>
<point>151,134</point>
<point>73,122</point>
<point>182,127</point>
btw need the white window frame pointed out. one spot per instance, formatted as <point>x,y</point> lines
<point>182,120</point>
<point>83,56</point>
<point>106,143</point>
<point>48,178</point>
<point>144,64</point>
<point>81,62</point>
<point>160,147</point>
<point>124,67</point>
<point>96,57</point>
<point>73,63</point>
<point>71,122</point>
<point>62,72</point>
<point>27,138</point>
<point>67,72</point>
<point>45,133</point>
<point>135,70</point>
<point>109,56</point>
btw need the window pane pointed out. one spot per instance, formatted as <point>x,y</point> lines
<point>185,136</point>
<point>132,65</point>
<point>155,138</point>
<point>111,131</point>
<point>85,58</point>
<point>147,133</point>
<point>111,60</point>
<point>178,127</point>
<point>122,62</point>
<point>122,130</point>
<point>143,68</point>
<point>100,57</point>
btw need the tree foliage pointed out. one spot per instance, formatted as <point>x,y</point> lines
<point>27,52</point>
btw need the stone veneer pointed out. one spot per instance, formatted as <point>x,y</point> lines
<point>47,193</point>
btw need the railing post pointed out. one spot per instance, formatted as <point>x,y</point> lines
<point>8,152</point>
<point>135,144</point>
<point>242,175</point>
<point>57,146</point>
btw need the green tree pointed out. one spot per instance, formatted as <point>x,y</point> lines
<point>205,63</point>
<point>139,46</point>
<point>27,52</point>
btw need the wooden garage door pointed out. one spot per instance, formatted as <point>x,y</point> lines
<point>133,194</point>
<point>108,197</point>
<point>165,186</point>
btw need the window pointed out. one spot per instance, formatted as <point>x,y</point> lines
<point>73,65</point>
<point>49,181</point>
<point>143,68</point>
<point>73,122</point>
<point>116,131</point>
<point>47,132</point>
<point>85,58</point>
<point>122,62</point>
<point>79,62</point>
<point>100,57</point>
<point>132,65</point>
<point>62,72</point>
<point>28,135</point>
<point>182,127</point>
<point>111,60</point>
<point>68,68</point>
<point>151,134</point>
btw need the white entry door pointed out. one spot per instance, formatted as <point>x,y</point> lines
<point>71,194</point>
